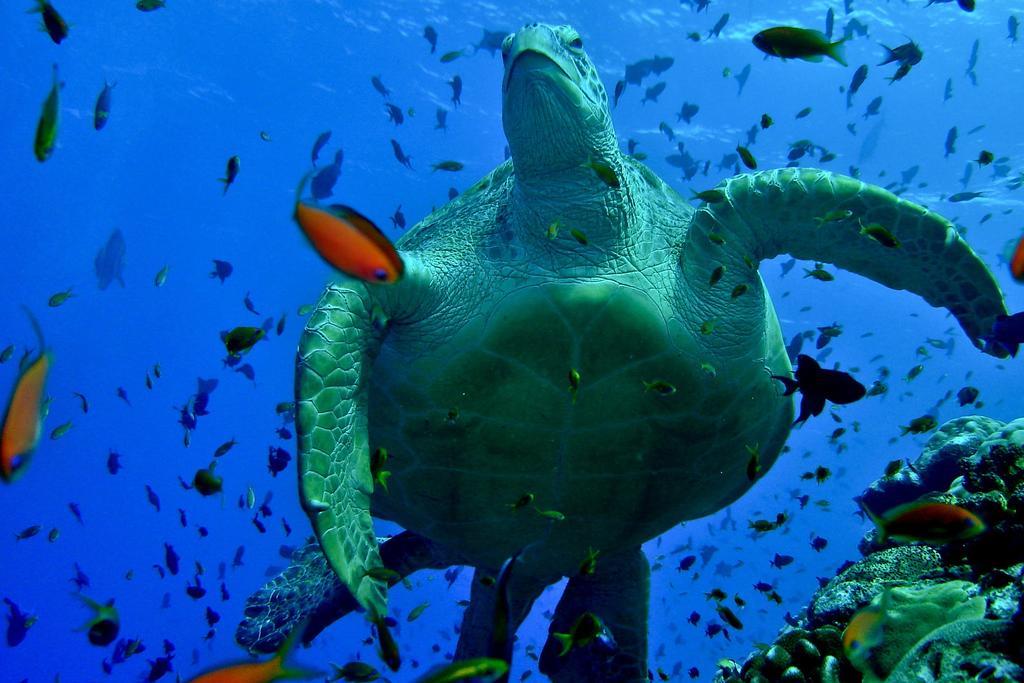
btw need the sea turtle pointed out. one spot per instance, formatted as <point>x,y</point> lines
<point>575,361</point>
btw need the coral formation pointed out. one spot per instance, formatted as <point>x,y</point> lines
<point>953,612</point>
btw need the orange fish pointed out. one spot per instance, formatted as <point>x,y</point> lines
<point>864,634</point>
<point>1017,262</point>
<point>926,521</point>
<point>23,422</point>
<point>273,669</point>
<point>349,241</point>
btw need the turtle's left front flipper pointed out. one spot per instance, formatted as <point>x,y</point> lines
<point>816,215</point>
<point>309,591</point>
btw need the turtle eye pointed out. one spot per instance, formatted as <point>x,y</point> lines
<point>576,43</point>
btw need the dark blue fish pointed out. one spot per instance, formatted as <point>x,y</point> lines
<point>277,460</point>
<point>321,140</point>
<point>247,370</point>
<point>109,262</point>
<point>741,79</point>
<point>398,218</point>
<point>719,25</point>
<point>234,165</point>
<point>102,112</point>
<point>442,119</point>
<point>873,107</point>
<point>221,270</point>
<point>456,84</point>
<point>830,20</point>
<point>322,184</point>
<point>159,667</point>
<point>249,305</point>
<point>239,552</point>
<point>79,579</point>
<point>400,155</point>
<point>394,113</point>
<point>153,499</point>
<point>1012,24</point>
<point>859,76</point>
<point>951,141</point>
<point>491,41</point>
<point>201,400</point>
<point>430,33</point>
<point>780,561</point>
<point>652,93</point>
<point>18,624</point>
<point>76,512</point>
<point>379,86</point>
<point>171,559</point>
<point>114,462</point>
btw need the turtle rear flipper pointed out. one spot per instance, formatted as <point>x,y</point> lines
<point>816,215</point>
<point>618,594</point>
<point>310,590</point>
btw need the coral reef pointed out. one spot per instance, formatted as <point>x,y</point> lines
<point>953,612</point>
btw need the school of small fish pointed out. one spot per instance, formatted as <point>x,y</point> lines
<point>354,245</point>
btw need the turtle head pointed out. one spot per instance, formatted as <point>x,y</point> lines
<point>554,107</point>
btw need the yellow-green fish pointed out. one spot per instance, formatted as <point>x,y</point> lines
<point>748,159</point>
<point>61,430</point>
<point>450,56</point>
<point>880,234</point>
<point>605,172</point>
<point>579,236</point>
<point>483,669</point>
<point>46,131</point>
<point>417,611</point>
<point>59,298</point>
<point>574,383</point>
<point>161,277</point>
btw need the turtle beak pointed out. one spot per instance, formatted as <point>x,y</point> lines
<point>533,53</point>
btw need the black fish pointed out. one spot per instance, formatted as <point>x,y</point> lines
<point>277,460</point>
<point>221,270</point>
<point>109,261</point>
<point>1007,333</point>
<point>818,385</point>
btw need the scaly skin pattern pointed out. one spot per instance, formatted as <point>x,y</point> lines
<point>309,591</point>
<point>461,369</point>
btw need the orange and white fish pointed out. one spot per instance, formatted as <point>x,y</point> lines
<point>927,521</point>
<point>273,669</point>
<point>349,241</point>
<point>23,422</point>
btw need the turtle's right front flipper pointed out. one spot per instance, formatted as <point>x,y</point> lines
<point>332,372</point>
<point>817,215</point>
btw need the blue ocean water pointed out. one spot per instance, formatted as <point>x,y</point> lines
<point>197,82</point>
